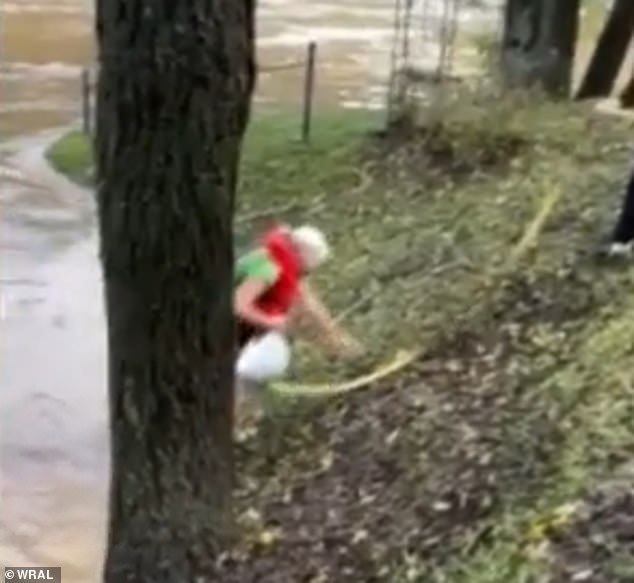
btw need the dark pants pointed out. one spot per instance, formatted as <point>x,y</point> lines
<point>245,333</point>
<point>624,229</point>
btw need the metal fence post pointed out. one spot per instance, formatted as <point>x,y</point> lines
<point>85,100</point>
<point>309,88</point>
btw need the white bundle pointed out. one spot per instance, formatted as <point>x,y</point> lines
<point>264,358</point>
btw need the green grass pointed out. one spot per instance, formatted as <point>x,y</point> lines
<point>424,228</point>
<point>270,136</point>
<point>597,390</point>
<point>71,155</point>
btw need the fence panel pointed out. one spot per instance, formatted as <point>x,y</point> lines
<point>308,64</point>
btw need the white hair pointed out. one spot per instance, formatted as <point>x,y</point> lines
<point>311,244</point>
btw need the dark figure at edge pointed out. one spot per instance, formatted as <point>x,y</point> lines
<point>622,240</point>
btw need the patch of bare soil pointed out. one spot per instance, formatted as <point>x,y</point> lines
<point>415,467</point>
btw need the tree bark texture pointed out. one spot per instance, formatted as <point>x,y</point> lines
<point>539,44</point>
<point>173,102</point>
<point>610,52</point>
<point>627,95</point>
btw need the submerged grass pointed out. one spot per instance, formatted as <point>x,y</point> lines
<point>469,465</point>
<point>71,155</point>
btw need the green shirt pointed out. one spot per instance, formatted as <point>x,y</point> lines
<point>256,264</point>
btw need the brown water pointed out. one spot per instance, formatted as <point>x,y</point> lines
<point>46,43</point>
<point>53,426</point>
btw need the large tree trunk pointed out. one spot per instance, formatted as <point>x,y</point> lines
<point>175,82</point>
<point>610,53</point>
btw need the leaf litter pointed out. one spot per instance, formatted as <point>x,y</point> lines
<point>394,482</point>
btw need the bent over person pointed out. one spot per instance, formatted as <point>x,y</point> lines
<point>271,295</point>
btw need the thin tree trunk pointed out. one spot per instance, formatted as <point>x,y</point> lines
<point>610,52</point>
<point>627,95</point>
<point>174,89</point>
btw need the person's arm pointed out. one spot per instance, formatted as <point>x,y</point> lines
<point>332,335</point>
<point>245,305</point>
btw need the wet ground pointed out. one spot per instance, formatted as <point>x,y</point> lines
<point>53,409</point>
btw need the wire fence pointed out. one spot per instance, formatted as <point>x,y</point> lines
<point>306,93</point>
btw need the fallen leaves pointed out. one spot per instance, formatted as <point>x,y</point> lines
<point>551,522</point>
<point>597,545</point>
<point>404,477</point>
<point>256,533</point>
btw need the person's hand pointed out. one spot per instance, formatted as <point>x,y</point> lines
<point>350,347</point>
<point>278,324</point>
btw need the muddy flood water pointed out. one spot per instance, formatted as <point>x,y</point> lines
<point>53,424</point>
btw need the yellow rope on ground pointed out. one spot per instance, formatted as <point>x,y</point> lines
<point>535,227</point>
<point>404,358</point>
<point>400,360</point>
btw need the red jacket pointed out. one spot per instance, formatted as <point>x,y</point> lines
<point>280,297</point>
